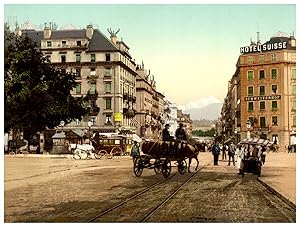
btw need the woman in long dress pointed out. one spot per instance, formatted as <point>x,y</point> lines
<point>240,153</point>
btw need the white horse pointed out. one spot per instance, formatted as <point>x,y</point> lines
<point>23,148</point>
<point>81,148</point>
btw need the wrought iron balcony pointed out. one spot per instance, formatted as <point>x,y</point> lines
<point>92,95</point>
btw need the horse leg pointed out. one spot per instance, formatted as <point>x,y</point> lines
<point>196,157</point>
<point>190,160</point>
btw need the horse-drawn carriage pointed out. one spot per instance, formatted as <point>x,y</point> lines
<point>108,147</point>
<point>254,156</point>
<point>158,156</point>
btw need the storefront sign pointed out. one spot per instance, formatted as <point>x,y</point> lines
<point>263,47</point>
<point>118,117</point>
<point>259,98</point>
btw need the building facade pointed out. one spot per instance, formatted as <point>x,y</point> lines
<point>149,105</point>
<point>263,92</point>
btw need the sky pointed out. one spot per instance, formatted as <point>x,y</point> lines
<point>190,49</point>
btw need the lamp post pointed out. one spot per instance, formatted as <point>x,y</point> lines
<point>248,128</point>
<point>90,124</point>
<point>62,124</point>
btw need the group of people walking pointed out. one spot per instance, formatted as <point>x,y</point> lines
<point>226,149</point>
<point>240,151</point>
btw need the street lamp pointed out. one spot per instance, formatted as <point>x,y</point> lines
<point>248,128</point>
<point>62,124</point>
<point>90,124</point>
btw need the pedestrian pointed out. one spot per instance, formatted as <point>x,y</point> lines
<point>231,153</point>
<point>224,149</point>
<point>135,150</point>
<point>215,151</point>
<point>180,133</point>
<point>240,154</point>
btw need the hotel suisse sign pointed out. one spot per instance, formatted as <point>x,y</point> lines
<point>263,47</point>
<point>259,98</point>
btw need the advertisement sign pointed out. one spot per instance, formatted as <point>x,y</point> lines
<point>118,117</point>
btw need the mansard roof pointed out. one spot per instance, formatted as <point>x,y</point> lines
<point>98,42</point>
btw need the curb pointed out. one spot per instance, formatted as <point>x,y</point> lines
<point>41,156</point>
<point>285,199</point>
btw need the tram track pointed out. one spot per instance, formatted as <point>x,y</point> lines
<point>157,207</point>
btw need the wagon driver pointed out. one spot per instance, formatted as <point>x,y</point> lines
<point>180,133</point>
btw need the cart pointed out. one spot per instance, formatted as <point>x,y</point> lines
<point>158,156</point>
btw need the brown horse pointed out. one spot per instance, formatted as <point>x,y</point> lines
<point>176,149</point>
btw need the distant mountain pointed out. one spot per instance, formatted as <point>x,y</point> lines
<point>208,108</point>
<point>209,112</point>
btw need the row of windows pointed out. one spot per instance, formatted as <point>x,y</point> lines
<point>262,90</point>
<point>274,121</point>
<point>273,74</point>
<point>274,88</point>
<point>107,71</point>
<point>262,105</point>
<point>63,58</point>
<point>262,58</point>
<point>64,43</point>
<point>92,90</point>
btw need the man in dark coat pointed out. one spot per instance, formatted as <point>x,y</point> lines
<point>166,134</point>
<point>180,133</point>
<point>215,151</point>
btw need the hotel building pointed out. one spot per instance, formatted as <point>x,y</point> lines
<point>263,92</point>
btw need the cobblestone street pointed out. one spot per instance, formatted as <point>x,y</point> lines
<point>67,190</point>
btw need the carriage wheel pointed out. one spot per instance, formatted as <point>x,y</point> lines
<point>116,151</point>
<point>83,155</point>
<point>182,166</point>
<point>102,154</point>
<point>166,168</point>
<point>138,166</point>
<point>12,153</point>
<point>76,155</point>
<point>157,166</point>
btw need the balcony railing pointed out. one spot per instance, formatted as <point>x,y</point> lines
<point>92,95</point>
<point>94,111</point>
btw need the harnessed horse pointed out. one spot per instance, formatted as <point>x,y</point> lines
<point>89,149</point>
<point>171,148</point>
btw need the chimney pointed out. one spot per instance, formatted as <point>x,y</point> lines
<point>113,38</point>
<point>47,32</point>
<point>89,31</point>
<point>258,40</point>
<point>292,40</point>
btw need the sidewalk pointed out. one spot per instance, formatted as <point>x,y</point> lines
<point>279,173</point>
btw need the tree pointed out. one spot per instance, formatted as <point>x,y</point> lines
<point>36,95</point>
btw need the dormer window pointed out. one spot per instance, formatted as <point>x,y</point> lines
<point>78,43</point>
<point>107,57</point>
